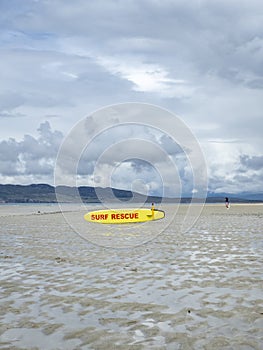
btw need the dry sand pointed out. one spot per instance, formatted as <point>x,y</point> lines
<point>197,290</point>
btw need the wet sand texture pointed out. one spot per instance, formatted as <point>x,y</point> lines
<point>197,290</point>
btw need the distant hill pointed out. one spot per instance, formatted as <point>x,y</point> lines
<point>242,197</point>
<point>44,193</point>
<point>35,193</point>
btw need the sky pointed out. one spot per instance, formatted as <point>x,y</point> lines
<point>61,61</point>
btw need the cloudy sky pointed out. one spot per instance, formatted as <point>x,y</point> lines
<point>202,60</point>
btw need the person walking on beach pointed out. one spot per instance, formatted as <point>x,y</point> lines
<point>152,209</point>
<point>227,203</point>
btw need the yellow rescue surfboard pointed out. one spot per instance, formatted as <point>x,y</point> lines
<point>123,216</point>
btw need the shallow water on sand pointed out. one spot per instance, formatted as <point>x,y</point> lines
<point>196,290</point>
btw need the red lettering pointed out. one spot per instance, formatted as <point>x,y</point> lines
<point>122,216</point>
<point>99,217</point>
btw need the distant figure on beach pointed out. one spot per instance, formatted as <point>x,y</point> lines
<point>152,209</point>
<point>227,203</point>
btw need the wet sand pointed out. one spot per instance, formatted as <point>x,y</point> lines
<point>202,289</point>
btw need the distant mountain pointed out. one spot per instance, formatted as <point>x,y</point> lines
<point>43,193</point>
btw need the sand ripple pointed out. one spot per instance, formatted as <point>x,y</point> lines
<point>200,290</point>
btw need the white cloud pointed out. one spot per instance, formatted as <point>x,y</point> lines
<point>150,78</point>
<point>31,158</point>
<point>202,60</point>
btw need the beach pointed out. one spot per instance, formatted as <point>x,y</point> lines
<point>151,286</point>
